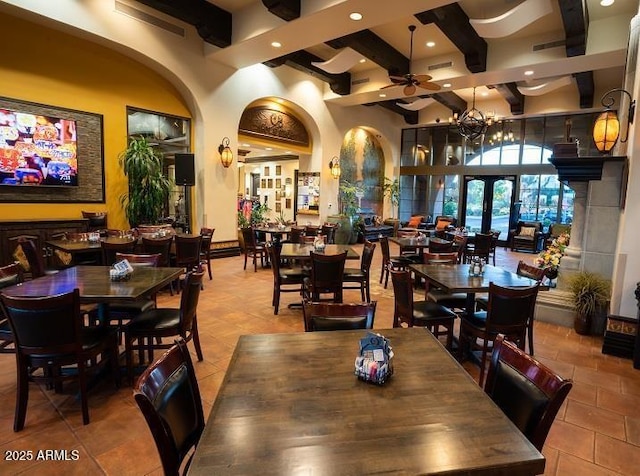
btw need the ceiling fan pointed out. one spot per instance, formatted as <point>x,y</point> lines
<point>409,80</point>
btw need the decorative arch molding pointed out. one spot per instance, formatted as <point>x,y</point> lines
<point>271,121</point>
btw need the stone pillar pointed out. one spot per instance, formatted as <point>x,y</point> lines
<point>573,252</point>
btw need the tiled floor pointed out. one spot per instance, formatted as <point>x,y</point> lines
<point>596,432</point>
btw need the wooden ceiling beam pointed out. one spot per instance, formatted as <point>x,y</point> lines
<point>510,93</point>
<point>586,88</point>
<point>575,19</point>
<point>451,100</point>
<point>454,23</point>
<point>286,9</point>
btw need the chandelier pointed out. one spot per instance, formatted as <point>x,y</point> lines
<point>472,123</point>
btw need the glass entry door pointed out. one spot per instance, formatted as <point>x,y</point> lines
<point>487,202</point>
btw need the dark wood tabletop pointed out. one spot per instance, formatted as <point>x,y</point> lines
<point>291,404</point>
<point>85,246</point>
<point>301,251</point>
<point>95,284</point>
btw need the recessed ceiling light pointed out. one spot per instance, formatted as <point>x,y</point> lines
<point>606,3</point>
<point>529,72</point>
<point>276,44</point>
<point>383,95</point>
<point>355,16</point>
<point>446,85</point>
<point>268,148</point>
<point>246,145</point>
<point>431,44</point>
<point>484,94</point>
<point>363,60</point>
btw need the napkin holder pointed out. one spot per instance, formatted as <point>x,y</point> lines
<point>121,271</point>
<point>374,362</point>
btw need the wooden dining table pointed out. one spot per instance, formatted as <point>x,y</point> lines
<point>455,278</point>
<point>291,404</point>
<point>95,285</point>
<point>301,251</point>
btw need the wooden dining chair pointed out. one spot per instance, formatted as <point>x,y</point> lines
<point>285,280</point>
<point>187,253</point>
<point>109,250</point>
<point>9,275</point>
<point>454,301</point>
<point>527,391</point>
<point>97,221</point>
<point>145,331</point>
<point>327,273</point>
<point>252,249</point>
<point>329,230</point>
<point>160,246</point>
<point>323,316</point>
<point>508,312</point>
<point>168,396</point>
<point>296,234</point>
<point>435,317</point>
<point>390,262</point>
<point>49,333</point>
<point>361,276</point>
<point>481,248</point>
<point>35,258</point>
<point>205,248</point>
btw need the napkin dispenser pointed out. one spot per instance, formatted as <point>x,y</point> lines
<point>121,271</point>
<point>374,362</point>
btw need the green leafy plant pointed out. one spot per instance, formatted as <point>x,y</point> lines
<point>590,291</point>
<point>391,189</point>
<point>259,213</point>
<point>348,197</point>
<point>242,220</point>
<point>149,188</point>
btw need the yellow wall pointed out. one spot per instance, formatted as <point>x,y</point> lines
<point>49,67</point>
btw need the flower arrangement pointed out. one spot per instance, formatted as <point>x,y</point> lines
<point>550,258</point>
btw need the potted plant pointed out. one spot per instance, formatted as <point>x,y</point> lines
<point>149,188</point>
<point>391,189</point>
<point>591,293</point>
<point>348,200</point>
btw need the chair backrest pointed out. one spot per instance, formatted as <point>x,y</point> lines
<point>509,310</point>
<point>97,220</point>
<point>460,245</point>
<point>329,230</point>
<point>168,396</point>
<point>530,271</point>
<point>34,257</point>
<point>482,243</point>
<point>274,259</point>
<point>407,233</point>
<point>528,392</point>
<point>11,274</point>
<point>367,256</point>
<point>338,316</point>
<point>188,250</point>
<point>384,249</point>
<point>189,299</point>
<point>139,260</point>
<point>440,246</point>
<point>109,250</point>
<point>311,230</point>
<point>296,234</point>
<point>44,326</point>
<point>249,238</point>
<point>440,258</point>
<point>403,297</point>
<point>207,237</point>
<point>161,246</point>
<point>327,272</point>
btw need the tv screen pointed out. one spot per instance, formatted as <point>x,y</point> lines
<point>37,150</point>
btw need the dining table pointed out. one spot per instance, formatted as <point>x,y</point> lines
<point>276,232</point>
<point>80,247</point>
<point>418,244</point>
<point>291,404</point>
<point>301,251</point>
<point>455,278</point>
<point>96,287</point>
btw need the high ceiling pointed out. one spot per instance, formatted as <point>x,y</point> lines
<point>578,44</point>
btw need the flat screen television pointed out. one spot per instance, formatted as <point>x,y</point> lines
<point>37,150</point>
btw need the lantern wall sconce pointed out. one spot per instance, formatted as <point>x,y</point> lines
<point>334,165</point>
<point>606,129</point>
<point>226,155</point>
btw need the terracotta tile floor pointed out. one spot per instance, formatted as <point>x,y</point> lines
<point>596,432</point>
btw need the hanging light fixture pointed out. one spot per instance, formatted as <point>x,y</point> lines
<point>472,123</point>
<point>606,129</point>
<point>334,165</point>
<point>226,154</point>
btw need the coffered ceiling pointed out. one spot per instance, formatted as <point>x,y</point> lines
<point>576,44</point>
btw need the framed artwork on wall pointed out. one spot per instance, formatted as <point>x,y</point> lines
<point>263,183</point>
<point>278,195</point>
<point>266,170</point>
<point>288,202</point>
<point>278,170</point>
<point>270,183</point>
<point>278,183</point>
<point>278,207</point>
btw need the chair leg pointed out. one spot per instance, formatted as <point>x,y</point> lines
<point>82,381</point>
<point>196,339</point>
<point>483,361</point>
<point>276,300</point>
<point>128,346</point>
<point>362,291</point>
<point>368,291</point>
<point>209,269</point>
<point>22,397</point>
<point>530,335</point>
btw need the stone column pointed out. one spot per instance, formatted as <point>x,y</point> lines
<point>573,253</point>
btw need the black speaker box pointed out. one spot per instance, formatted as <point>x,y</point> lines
<point>185,171</point>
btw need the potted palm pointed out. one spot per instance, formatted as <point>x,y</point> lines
<point>591,293</point>
<point>149,188</point>
<point>391,189</point>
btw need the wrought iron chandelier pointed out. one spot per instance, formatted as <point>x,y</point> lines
<point>472,123</point>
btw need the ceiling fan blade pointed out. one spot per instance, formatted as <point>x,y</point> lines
<point>409,90</point>
<point>422,78</point>
<point>397,79</point>
<point>392,85</point>
<point>428,85</point>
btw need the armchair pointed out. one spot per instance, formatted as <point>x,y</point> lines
<point>443,222</point>
<point>527,236</point>
<point>555,230</point>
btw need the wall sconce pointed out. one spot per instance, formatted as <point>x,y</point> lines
<point>334,165</point>
<point>226,155</point>
<point>607,126</point>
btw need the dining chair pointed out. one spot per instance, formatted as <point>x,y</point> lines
<point>187,254</point>
<point>435,317</point>
<point>508,312</point>
<point>527,271</point>
<point>205,248</point>
<point>296,234</point>
<point>495,235</point>
<point>97,221</point>
<point>49,333</point>
<point>360,276</point>
<point>323,316</point>
<point>285,280</point>
<point>527,391</point>
<point>144,331</point>
<point>457,301</point>
<point>252,249</point>
<point>410,253</point>
<point>109,250</point>
<point>327,273</point>
<point>9,275</point>
<point>160,246</point>
<point>329,230</point>
<point>34,258</point>
<point>481,248</point>
<point>460,246</point>
<point>168,396</point>
<point>390,262</point>
<point>440,246</point>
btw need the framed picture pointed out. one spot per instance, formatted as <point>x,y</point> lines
<point>263,183</point>
<point>270,183</point>
<point>278,183</point>
<point>288,202</point>
<point>278,207</point>
<point>278,195</point>
<point>266,171</point>
<point>278,170</point>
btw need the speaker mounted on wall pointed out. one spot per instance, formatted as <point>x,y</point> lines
<point>185,169</point>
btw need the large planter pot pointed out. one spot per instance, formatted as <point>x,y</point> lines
<point>582,324</point>
<point>344,231</point>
